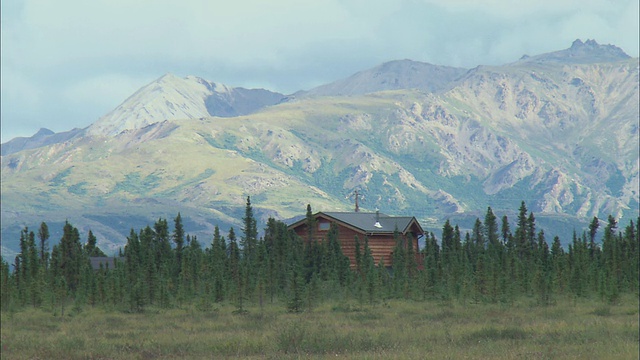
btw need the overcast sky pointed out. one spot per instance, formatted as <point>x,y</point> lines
<point>65,63</point>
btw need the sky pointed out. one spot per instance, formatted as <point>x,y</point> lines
<point>66,63</point>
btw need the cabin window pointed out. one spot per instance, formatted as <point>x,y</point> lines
<point>323,226</point>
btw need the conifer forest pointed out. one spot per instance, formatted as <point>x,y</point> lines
<point>164,267</point>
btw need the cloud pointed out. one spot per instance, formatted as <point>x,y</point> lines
<point>65,62</point>
<point>103,91</point>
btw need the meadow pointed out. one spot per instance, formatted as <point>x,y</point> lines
<point>397,329</point>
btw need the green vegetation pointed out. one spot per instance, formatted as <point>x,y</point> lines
<point>397,329</point>
<point>491,292</point>
<point>135,184</point>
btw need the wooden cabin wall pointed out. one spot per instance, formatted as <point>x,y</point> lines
<point>380,245</point>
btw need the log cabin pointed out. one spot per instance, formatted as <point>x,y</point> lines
<point>378,228</point>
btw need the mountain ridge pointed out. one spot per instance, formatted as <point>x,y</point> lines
<point>499,135</point>
<point>171,97</point>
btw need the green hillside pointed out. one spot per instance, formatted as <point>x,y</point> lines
<point>563,138</point>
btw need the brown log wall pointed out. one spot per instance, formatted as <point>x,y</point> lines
<point>380,245</point>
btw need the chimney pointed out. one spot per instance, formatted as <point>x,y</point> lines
<point>377,224</point>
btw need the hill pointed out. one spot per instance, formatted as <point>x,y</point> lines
<point>560,135</point>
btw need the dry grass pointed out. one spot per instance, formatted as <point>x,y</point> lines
<point>397,330</point>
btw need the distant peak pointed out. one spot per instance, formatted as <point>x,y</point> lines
<point>43,132</point>
<point>168,77</point>
<point>577,43</point>
<point>590,43</point>
<point>582,53</point>
<point>592,48</point>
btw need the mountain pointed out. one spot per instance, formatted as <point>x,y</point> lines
<point>588,52</point>
<point>42,138</point>
<point>171,97</point>
<point>392,75</point>
<point>561,135</point>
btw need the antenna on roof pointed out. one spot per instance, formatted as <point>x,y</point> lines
<point>357,195</point>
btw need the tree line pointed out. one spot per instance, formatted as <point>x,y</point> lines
<point>164,268</point>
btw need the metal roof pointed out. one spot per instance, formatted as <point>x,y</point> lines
<point>366,221</point>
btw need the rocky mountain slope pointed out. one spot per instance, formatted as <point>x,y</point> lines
<point>561,135</point>
<point>171,97</point>
<point>42,138</point>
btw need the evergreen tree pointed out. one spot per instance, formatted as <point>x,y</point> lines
<point>505,230</point>
<point>178,239</point>
<point>71,257</point>
<point>477,236</point>
<point>295,299</point>
<point>543,278</point>
<point>218,265</point>
<point>611,260</point>
<point>491,228</point>
<point>133,273</point>
<point>43,235</point>
<point>236,273</point>
<point>369,272</point>
<point>431,266</point>
<point>248,243</point>
<point>520,237</point>
<point>558,263</point>
<point>358,256</point>
<point>630,257</point>
<point>450,260</point>
<point>593,229</point>
<point>400,275</point>
<point>411,262</point>
<point>90,247</point>
<point>27,270</point>
<point>578,264</point>
<point>495,258</point>
<point>336,263</point>
<point>311,224</point>
<point>7,291</point>
<point>150,269</point>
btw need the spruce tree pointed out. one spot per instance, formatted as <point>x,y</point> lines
<point>134,281</point>
<point>543,278</point>
<point>578,264</point>
<point>218,265</point>
<point>593,229</point>
<point>43,235</point>
<point>505,230</point>
<point>236,273</point>
<point>369,272</point>
<point>71,257</point>
<point>431,266</point>
<point>400,276</point>
<point>6,288</point>
<point>295,299</point>
<point>248,244</point>
<point>358,256</point>
<point>90,247</point>
<point>178,239</point>
<point>449,262</point>
<point>558,264</point>
<point>520,237</point>
<point>630,257</point>
<point>310,224</point>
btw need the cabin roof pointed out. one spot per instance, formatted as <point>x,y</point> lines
<point>365,222</point>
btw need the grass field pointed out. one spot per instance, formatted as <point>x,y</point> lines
<point>582,329</point>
